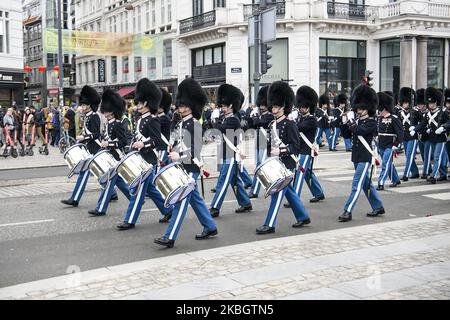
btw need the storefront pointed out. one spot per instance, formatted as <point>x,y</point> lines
<point>11,88</point>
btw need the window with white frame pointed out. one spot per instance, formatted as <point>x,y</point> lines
<point>4,31</point>
<point>167,57</point>
<point>153,13</point>
<point>147,15</point>
<point>169,11</point>
<point>139,25</point>
<point>163,13</point>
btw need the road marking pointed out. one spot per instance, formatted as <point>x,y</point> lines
<point>207,203</point>
<point>421,188</point>
<point>439,196</point>
<point>26,222</point>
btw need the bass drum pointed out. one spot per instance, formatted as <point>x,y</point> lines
<point>102,166</point>
<point>273,175</point>
<point>173,183</point>
<point>76,157</point>
<point>133,169</point>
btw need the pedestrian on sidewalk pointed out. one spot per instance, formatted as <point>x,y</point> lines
<point>362,130</point>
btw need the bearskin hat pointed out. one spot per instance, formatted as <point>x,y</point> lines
<point>112,102</point>
<point>324,99</point>
<point>261,99</point>
<point>408,95</point>
<point>447,95</point>
<point>433,95</point>
<point>229,95</point>
<point>280,94</point>
<point>90,97</point>
<point>421,96</point>
<point>385,102</point>
<point>341,98</point>
<point>166,101</point>
<point>364,97</point>
<point>147,91</point>
<point>192,95</point>
<point>307,97</point>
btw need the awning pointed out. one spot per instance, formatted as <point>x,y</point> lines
<point>125,91</point>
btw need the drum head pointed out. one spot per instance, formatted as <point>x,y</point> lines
<point>162,170</point>
<point>277,186</point>
<point>264,162</point>
<point>78,145</point>
<point>178,195</point>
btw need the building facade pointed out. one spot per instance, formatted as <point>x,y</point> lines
<point>324,44</point>
<point>11,54</point>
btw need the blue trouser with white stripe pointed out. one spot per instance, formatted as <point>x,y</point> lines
<point>137,199</point>
<point>387,166</point>
<point>201,211</point>
<point>427,153</point>
<point>297,206</point>
<point>337,132</point>
<point>439,159</point>
<point>245,176</point>
<point>300,177</point>
<point>261,157</point>
<point>108,190</point>
<point>227,176</point>
<point>361,181</point>
<point>328,135</point>
<point>410,152</point>
<point>80,186</point>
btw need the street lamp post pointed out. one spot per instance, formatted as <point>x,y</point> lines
<point>60,69</point>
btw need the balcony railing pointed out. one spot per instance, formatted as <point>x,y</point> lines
<point>201,21</point>
<point>349,11</point>
<point>209,73</point>
<point>410,7</point>
<point>251,9</point>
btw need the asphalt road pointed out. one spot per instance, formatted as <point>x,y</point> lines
<point>41,238</point>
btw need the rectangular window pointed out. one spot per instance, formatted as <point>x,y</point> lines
<point>435,63</point>
<point>153,13</point>
<point>208,56</point>
<point>218,55</point>
<point>151,67</point>
<point>169,11</point>
<point>390,65</point>
<point>125,69</point>
<point>199,58</point>
<point>126,21</point>
<point>113,69</point>
<point>147,15</point>
<point>93,71</point>
<point>220,3</point>
<point>197,7</point>
<point>163,13</point>
<point>167,44</point>
<point>139,25</point>
<point>137,68</point>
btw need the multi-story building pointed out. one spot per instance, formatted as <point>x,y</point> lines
<point>325,44</point>
<point>151,17</point>
<point>11,53</point>
<point>42,84</point>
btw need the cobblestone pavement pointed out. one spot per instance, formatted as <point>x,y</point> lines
<point>407,259</point>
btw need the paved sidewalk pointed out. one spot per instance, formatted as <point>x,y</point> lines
<point>407,259</point>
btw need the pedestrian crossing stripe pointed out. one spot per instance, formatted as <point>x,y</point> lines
<point>439,196</point>
<point>421,188</point>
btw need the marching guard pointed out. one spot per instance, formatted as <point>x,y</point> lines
<point>410,118</point>
<point>114,140</point>
<point>261,124</point>
<point>362,130</point>
<point>323,120</point>
<point>434,123</point>
<point>447,109</point>
<point>307,99</point>
<point>89,101</point>
<point>284,142</point>
<point>190,101</point>
<point>229,100</point>
<point>147,140</point>
<point>390,136</point>
<point>338,111</point>
<point>423,140</point>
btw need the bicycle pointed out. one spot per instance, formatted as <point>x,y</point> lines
<point>66,141</point>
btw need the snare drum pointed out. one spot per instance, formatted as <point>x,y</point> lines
<point>102,166</point>
<point>133,168</point>
<point>76,157</point>
<point>173,183</point>
<point>273,175</point>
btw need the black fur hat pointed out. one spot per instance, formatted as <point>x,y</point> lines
<point>261,99</point>
<point>112,102</point>
<point>447,95</point>
<point>90,97</point>
<point>341,98</point>
<point>364,97</point>
<point>421,96</point>
<point>147,91</point>
<point>280,94</point>
<point>389,93</point>
<point>307,97</point>
<point>324,99</point>
<point>385,102</point>
<point>228,95</point>
<point>407,94</point>
<point>166,101</point>
<point>433,95</point>
<point>192,95</point>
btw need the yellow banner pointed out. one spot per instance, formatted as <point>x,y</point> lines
<point>103,43</point>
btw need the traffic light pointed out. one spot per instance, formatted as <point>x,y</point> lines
<point>265,57</point>
<point>368,78</point>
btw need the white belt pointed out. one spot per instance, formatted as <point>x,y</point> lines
<point>313,146</point>
<point>387,134</point>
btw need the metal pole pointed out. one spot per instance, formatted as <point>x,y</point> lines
<point>257,73</point>
<point>28,63</point>
<point>60,66</point>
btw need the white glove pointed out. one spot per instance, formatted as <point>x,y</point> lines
<point>275,152</point>
<point>174,156</point>
<point>350,115</point>
<point>428,131</point>
<point>440,130</point>
<point>412,128</point>
<point>412,133</point>
<point>394,149</point>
